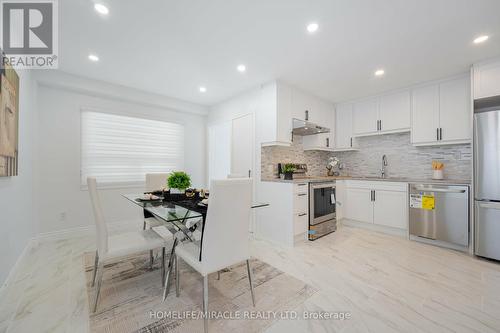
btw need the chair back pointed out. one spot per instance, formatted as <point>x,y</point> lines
<point>156,181</point>
<point>101,229</point>
<point>225,235</point>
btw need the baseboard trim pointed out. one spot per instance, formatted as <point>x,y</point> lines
<point>375,227</point>
<point>88,230</point>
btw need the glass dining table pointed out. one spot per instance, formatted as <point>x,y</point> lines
<point>183,218</point>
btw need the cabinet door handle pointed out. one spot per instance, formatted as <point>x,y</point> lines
<point>307,115</point>
<point>380,126</point>
<point>440,134</point>
<point>351,142</point>
<point>327,142</point>
<point>302,194</point>
<point>371,195</point>
<point>437,134</point>
<point>374,196</point>
<point>302,214</point>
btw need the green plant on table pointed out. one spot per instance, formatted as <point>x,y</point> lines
<point>179,180</point>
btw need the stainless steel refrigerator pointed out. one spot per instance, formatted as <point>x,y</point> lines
<point>487,183</point>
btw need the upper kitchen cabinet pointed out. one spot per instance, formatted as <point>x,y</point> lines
<point>324,116</point>
<point>381,115</point>
<point>273,116</point>
<point>455,110</point>
<point>343,127</point>
<point>487,79</point>
<point>425,115</point>
<point>365,117</point>
<point>310,108</point>
<point>441,113</point>
<point>395,112</point>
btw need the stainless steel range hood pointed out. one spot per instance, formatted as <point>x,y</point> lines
<point>303,128</point>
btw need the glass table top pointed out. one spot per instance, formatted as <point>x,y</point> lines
<point>169,212</point>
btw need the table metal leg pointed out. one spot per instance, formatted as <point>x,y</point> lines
<point>169,270</point>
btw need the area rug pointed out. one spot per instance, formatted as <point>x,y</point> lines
<point>131,298</point>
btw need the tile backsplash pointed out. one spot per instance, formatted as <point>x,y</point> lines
<point>404,160</point>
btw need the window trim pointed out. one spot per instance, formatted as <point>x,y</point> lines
<point>127,113</point>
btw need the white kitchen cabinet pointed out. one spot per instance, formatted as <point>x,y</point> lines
<point>322,141</point>
<point>365,117</point>
<point>425,114</point>
<point>487,79</point>
<point>358,205</point>
<point>389,209</point>
<point>301,103</point>
<point>395,112</point>
<point>380,203</point>
<point>343,127</point>
<point>455,110</point>
<point>441,113</point>
<point>273,115</point>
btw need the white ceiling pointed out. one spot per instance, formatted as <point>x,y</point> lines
<point>173,47</point>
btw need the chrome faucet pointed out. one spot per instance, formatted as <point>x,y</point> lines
<point>384,164</point>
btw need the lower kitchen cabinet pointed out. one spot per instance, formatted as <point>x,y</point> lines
<point>358,205</point>
<point>390,209</point>
<point>381,203</point>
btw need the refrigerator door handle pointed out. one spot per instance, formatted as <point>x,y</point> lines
<point>433,189</point>
<point>490,205</point>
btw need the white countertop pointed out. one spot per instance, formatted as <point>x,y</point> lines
<point>311,179</point>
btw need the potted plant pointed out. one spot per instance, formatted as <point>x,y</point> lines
<point>179,180</point>
<point>288,170</point>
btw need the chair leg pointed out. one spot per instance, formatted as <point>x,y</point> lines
<point>95,267</point>
<point>205,303</point>
<point>177,281</point>
<point>250,280</point>
<point>151,259</point>
<point>163,266</point>
<point>218,275</point>
<point>144,225</point>
<point>100,271</point>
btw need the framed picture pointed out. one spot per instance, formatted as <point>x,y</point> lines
<point>9,122</point>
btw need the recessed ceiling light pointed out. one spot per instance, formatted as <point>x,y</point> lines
<point>481,39</point>
<point>312,27</point>
<point>101,9</point>
<point>203,89</point>
<point>241,68</point>
<point>93,57</point>
<point>379,72</point>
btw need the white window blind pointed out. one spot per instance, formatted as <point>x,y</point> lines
<point>120,150</point>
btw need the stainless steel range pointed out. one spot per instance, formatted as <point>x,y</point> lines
<point>322,209</point>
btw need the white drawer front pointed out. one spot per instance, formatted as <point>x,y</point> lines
<point>300,188</point>
<point>300,223</point>
<point>300,203</point>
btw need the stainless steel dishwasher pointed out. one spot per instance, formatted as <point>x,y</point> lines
<point>440,213</point>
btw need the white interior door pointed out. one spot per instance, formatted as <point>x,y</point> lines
<point>242,146</point>
<point>219,150</point>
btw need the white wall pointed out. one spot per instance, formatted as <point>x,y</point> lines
<point>17,221</point>
<point>62,203</point>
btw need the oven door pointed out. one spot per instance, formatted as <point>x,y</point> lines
<point>321,202</point>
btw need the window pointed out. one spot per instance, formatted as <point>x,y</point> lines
<point>120,150</point>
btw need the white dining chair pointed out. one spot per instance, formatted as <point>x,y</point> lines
<point>154,182</point>
<point>225,240</point>
<point>114,247</point>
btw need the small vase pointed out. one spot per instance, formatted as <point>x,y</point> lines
<point>288,175</point>
<point>437,174</point>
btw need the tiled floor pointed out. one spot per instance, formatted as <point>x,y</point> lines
<point>386,283</point>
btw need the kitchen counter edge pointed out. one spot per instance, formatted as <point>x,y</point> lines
<point>369,179</point>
